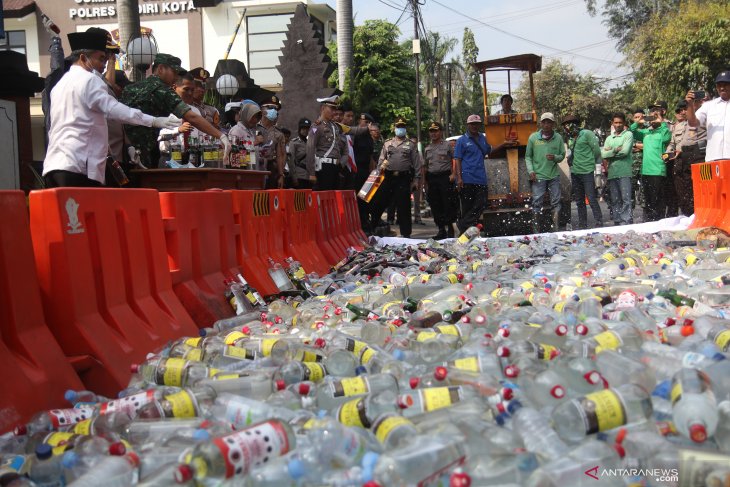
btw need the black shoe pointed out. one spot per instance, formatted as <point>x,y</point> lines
<point>439,236</point>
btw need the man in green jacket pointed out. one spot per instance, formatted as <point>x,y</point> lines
<point>655,138</point>
<point>617,153</point>
<point>584,152</point>
<point>545,149</point>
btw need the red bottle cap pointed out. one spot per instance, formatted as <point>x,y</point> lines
<point>21,430</point>
<point>511,371</point>
<point>698,433</point>
<point>134,368</point>
<point>117,449</point>
<point>460,479</point>
<point>503,332</point>
<point>503,351</point>
<point>465,319</point>
<point>184,474</point>
<point>440,373</point>
<point>280,385</point>
<point>304,388</point>
<point>245,330</point>
<point>405,401</point>
<point>687,330</point>
<point>592,377</point>
<point>320,343</point>
<point>581,329</point>
<point>561,330</point>
<point>413,382</point>
<point>508,394</point>
<point>558,392</point>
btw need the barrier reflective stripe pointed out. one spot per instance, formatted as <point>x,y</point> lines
<point>36,372</point>
<point>301,216</point>
<point>201,246</point>
<point>103,273</point>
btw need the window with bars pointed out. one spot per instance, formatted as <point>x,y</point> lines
<point>266,35</point>
<point>14,41</point>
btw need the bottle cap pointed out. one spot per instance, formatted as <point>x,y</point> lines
<point>43,451</point>
<point>117,449</point>
<point>21,430</point>
<point>459,479</point>
<point>201,434</point>
<point>561,330</point>
<point>592,377</point>
<point>405,401</point>
<point>184,473</point>
<point>511,371</point>
<point>134,368</point>
<point>202,332</point>
<point>71,396</point>
<point>440,373</point>
<point>558,391</point>
<point>507,393</point>
<point>581,329</point>
<point>503,332</point>
<point>70,459</point>
<point>303,389</point>
<point>399,354</point>
<point>514,406</point>
<point>687,330</point>
<point>360,370</point>
<point>296,469</point>
<point>503,351</point>
<point>697,432</point>
<point>280,385</point>
<point>413,382</point>
<point>369,460</point>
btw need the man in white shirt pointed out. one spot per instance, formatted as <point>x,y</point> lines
<point>80,106</point>
<point>715,116</point>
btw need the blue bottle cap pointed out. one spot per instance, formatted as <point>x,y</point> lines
<point>719,356</point>
<point>369,460</point>
<point>296,469</point>
<point>662,389</point>
<point>201,434</point>
<point>399,354</point>
<point>500,419</point>
<point>202,332</point>
<point>360,370</point>
<point>70,395</point>
<point>322,413</point>
<point>43,451</point>
<point>70,459</point>
<point>650,296</point>
<point>514,406</point>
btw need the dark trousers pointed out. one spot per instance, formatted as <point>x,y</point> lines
<point>304,184</point>
<point>671,203</point>
<point>65,179</point>
<point>584,185</point>
<point>397,190</point>
<point>654,204</point>
<point>441,196</point>
<point>328,178</point>
<point>473,199</point>
<point>683,178</point>
<point>363,208</point>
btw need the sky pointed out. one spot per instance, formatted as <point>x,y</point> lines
<point>553,28</point>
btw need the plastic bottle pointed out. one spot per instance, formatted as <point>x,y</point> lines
<point>694,409</point>
<point>112,471</point>
<point>242,411</point>
<point>363,411</point>
<point>46,469</point>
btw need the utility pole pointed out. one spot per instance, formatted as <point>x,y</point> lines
<point>128,12</point>
<point>448,100</point>
<point>417,51</point>
<point>344,41</point>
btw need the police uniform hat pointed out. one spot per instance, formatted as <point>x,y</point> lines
<point>367,116</point>
<point>200,74</point>
<point>94,39</point>
<point>304,122</point>
<point>400,122</point>
<point>435,126</point>
<point>723,77</point>
<point>171,61</point>
<point>332,101</point>
<point>271,101</point>
<point>659,104</point>
<point>681,105</point>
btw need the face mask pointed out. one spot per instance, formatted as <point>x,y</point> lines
<point>272,114</point>
<point>400,131</point>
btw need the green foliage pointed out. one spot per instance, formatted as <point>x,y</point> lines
<point>681,52</point>
<point>470,51</point>
<point>625,19</point>
<point>383,77</point>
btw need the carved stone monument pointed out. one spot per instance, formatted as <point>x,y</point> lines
<point>304,67</point>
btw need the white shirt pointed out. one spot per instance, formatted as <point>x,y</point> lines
<point>715,116</point>
<point>79,137</point>
<point>168,135</point>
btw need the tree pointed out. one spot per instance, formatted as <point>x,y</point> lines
<point>684,51</point>
<point>626,18</point>
<point>562,91</point>
<point>470,51</point>
<point>434,50</point>
<point>383,74</point>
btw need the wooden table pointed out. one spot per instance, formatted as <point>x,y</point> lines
<point>199,179</point>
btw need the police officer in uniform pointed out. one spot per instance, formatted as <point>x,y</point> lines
<point>440,178</point>
<point>210,113</point>
<point>402,173</point>
<point>326,147</point>
<point>301,179</point>
<point>688,145</point>
<point>154,95</point>
<point>272,149</point>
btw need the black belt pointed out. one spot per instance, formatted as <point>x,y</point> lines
<point>395,174</point>
<point>441,173</point>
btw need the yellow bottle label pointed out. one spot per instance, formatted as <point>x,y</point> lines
<point>60,441</point>
<point>173,371</point>
<point>602,411</point>
<point>233,337</point>
<point>496,292</point>
<point>577,280</point>
<point>193,342</point>
<point>350,386</point>
<point>383,428</point>
<point>607,340</point>
<point>389,305</point>
<point>546,352</point>
<point>355,346</point>
<point>424,336</point>
<point>227,376</point>
<point>352,413</point>
<point>452,278</point>
<point>630,261</point>
<point>476,265</point>
<point>200,466</point>
<point>608,256</point>
<point>316,372</point>
<point>307,356</point>
<point>434,398</point>
<point>425,278</point>
<point>181,405</point>
<point>83,427</point>
<point>299,273</point>
<point>367,355</point>
<point>559,306</point>
<point>195,354</point>
<point>470,364</point>
<point>448,330</point>
<point>235,352</point>
<point>526,285</point>
<point>266,345</point>
<point>722,340</point>
<point>463,239</point>
<point>676,392</point>
<point>387,288</point>
<point>452,268</point>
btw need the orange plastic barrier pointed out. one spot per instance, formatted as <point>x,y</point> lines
<point>711,186</point>
<point>350,219</point>
<point>259,216</point>
<point>103,273</point>
<point>330,231</point>
<point>201,249</point>
<point>300,215</point>
<point>35,371</point>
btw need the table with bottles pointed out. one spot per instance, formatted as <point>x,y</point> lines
<point>543,361</point>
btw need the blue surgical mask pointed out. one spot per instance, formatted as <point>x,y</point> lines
<point>400,131</point>
<point>272,114</point>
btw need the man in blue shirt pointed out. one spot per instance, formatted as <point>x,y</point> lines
<point>471,176</point>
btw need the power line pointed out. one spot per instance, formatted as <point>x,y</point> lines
<point>520,14</point>
<point>544,46</point>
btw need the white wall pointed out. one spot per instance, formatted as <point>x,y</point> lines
<point>219,23</point>
<point>29,25</point>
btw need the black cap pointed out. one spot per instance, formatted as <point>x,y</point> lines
<point>659,104</point>
<point>572,118</point>
<point>94,38</point>
<point>200,74</point>
<point>435,126</point>
<point>304,122</point>
<point>723,77</point>
<point>681,105</point>
<point>400,122</point>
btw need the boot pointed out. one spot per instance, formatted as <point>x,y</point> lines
<point>441,235</point>
<point>556,221</point>
<point>450,230</point>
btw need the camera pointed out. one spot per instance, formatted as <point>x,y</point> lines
<point>699,94</point>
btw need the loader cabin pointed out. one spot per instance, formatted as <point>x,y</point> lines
<point>507,178</point>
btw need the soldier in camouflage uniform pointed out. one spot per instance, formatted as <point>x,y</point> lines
<point>210,113</point>
<point>154,95</point>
